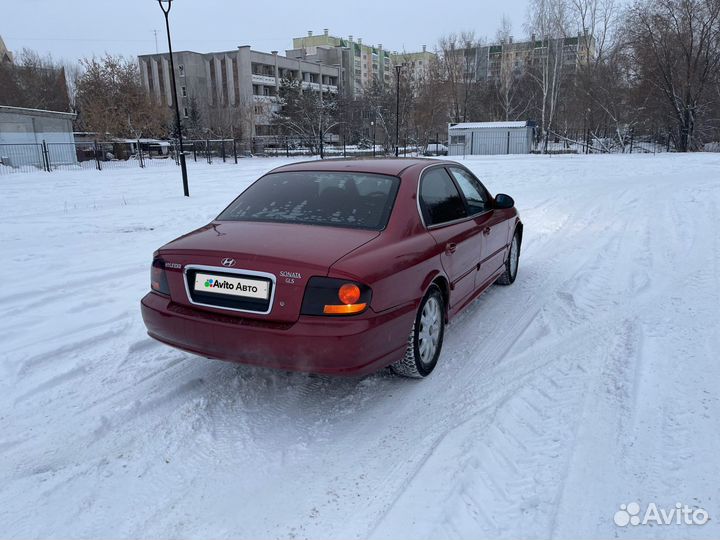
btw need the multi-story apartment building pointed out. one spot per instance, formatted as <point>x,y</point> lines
<point>361,64</point>
<point>416,64</point>
<point>484,63</point>
<point>237,88</point>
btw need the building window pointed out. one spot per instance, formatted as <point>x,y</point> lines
<point>224,80</point>
<point>213,80</point>
<point>181,70</point>
<point>185,112</point>
<point>151,81</point>
<point>236,82</point>
<point>184,91</point>
<point>161,81</point>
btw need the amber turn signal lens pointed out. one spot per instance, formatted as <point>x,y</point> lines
<point>346,309</point>
<point>335,297</point>
<point>349,293</point>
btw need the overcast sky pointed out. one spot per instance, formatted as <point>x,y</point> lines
<point>71,29</point>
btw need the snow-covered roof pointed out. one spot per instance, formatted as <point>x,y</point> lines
<point>488,125</point>
<point>149,141</point>
<point>37,112</point>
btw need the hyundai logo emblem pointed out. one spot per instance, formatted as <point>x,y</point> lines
<point>228,262</point>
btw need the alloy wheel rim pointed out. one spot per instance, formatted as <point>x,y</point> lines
<point>429,331</point>
<point>513,257</point>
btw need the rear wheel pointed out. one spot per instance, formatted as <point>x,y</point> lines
<point>511,265</point>
<point>426,338</point>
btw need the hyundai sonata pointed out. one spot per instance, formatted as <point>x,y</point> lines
<point>340,266</point>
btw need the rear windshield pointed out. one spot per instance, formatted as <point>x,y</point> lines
<point>339,199</point>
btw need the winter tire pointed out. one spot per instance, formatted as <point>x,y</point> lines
<point>426,338</point>
<point>511,265</point>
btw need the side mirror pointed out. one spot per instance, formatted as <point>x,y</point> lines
<point>504,201</point>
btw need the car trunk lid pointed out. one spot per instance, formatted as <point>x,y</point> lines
<point>279,256</point>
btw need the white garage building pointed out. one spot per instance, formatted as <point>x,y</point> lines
<point>23,131</point>
<point>489,138</point>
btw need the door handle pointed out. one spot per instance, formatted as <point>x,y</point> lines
<point>450,248</point>
<point>486,231</point>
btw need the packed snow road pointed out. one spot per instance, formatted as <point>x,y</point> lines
<point>590,383</point>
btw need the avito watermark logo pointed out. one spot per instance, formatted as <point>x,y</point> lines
<point>680,514</point>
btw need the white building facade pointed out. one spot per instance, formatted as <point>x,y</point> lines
<point>24,131</point>
<point>490,138</point>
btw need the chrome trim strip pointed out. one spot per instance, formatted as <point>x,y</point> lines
<point>224,270</point>
<point>456,221</point>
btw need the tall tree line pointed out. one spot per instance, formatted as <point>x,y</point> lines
<point>653,65</point>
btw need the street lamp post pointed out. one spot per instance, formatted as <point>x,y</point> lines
<point>183,166</point>
<point>372,125</point>
<point>397,112</point>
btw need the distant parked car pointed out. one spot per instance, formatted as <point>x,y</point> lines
<point>341,266</point>
<point>435,149</point>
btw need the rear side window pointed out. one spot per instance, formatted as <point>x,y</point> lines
<point>440,200</point>
<point>339,199</point>
<point>471,188</point>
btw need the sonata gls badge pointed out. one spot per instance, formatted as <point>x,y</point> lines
<point>228,262</point>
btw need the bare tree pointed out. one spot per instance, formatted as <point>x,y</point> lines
<point>430,114</point>
<point>305,114</point>
<point>601,80</point>
<point>112,100</point>
<point>229,122</point>
<point>548,20</point>
<point>596,21</point>
<point>34,81</point>
<point>509,84</point>
<point>676,54</point>
<point>73,71</point>
<point>380,103</point>
<point>458,57</point>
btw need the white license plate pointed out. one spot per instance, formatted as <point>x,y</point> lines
<point>233,286</point>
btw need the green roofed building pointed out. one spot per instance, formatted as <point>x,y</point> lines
<point>486,62</point>
<point>361,63</point>
<point>415,64</point>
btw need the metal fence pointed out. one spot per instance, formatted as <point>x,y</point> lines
<point>617,141</point>
<point>101,155</point>
<point>579,141</point>
<point>605,141</point>
<point>22,158</point>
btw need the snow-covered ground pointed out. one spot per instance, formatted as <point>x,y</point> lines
<point>592,382</point>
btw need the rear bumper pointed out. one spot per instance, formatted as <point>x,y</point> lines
<point>339,346</point>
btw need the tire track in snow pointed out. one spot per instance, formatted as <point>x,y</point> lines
<point>590,290</point>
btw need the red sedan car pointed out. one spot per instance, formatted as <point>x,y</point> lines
<point>341,267</point>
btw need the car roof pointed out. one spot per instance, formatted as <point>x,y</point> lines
<point>390,166</point>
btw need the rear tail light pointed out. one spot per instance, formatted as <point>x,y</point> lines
<point>329,296</point>
<point>158,279</point>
